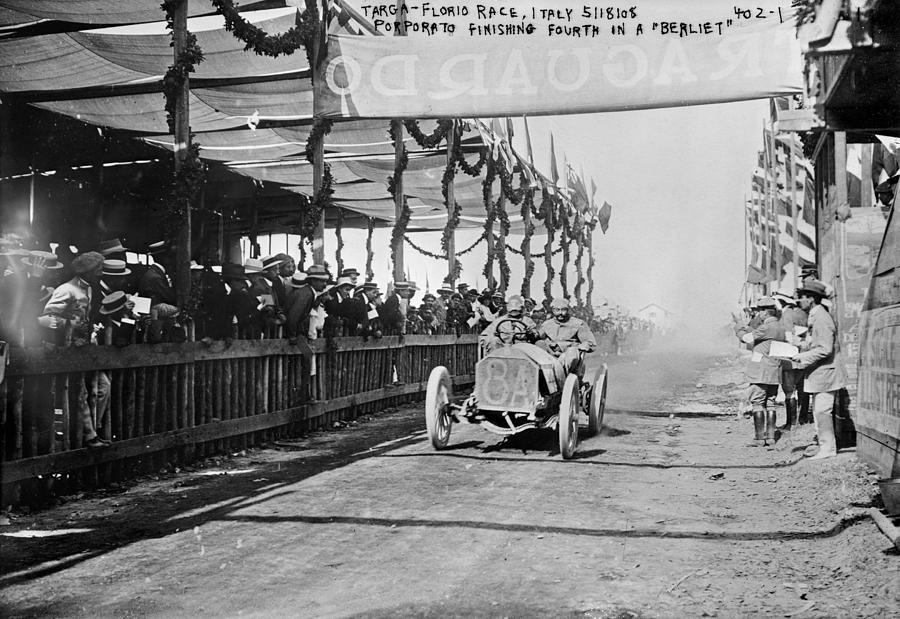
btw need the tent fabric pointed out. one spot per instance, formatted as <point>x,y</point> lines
<point>93,59</point>
<point>106,12</point>
<point>252,113</point>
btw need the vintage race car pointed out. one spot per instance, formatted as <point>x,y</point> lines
<point>518,387</point>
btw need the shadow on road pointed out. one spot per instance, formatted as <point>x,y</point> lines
<point>743,536</point>
<point>162,512</point>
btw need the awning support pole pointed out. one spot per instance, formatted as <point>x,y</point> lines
<point>182,142</point>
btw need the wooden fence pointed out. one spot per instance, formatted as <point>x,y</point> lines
<point>173,403</point>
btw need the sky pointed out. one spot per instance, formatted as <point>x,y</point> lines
<point>676,178</point>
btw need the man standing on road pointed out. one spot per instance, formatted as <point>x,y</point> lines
<point>794,321</point>
<point>763,372</point>
<point>820,356</point>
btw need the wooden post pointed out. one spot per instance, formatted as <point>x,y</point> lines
<point>779,258</point>
<point>590,269</point>
<point>490,230</point>
<point>397,247</point>
<point>501,239</point>
<point>182,142</point>
<point>795,234</point>
<point>765,204</point>
<point>840,186</point>
<point>318,240</point>
<point>526,251</point>
<point>451,203</point>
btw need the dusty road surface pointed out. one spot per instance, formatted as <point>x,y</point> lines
<point>658,516</point>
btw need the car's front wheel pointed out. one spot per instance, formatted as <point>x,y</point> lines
<point>568,417</point>
<point>437,401</point>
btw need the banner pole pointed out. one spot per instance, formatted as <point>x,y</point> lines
<point>451,205</point>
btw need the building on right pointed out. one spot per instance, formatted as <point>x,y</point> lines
<point>849,124</point>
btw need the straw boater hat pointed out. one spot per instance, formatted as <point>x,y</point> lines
<point>51,261</point>
<point>350,272</point>
<point>445,287</point>
<point>112,268</point>
<point>298,279</point>
<point>402,286</point>
<point>86,262</point>
<point>157,248</point>
<point>112,246</point>
<point>344,281</point>
<point>317,271</point>
<point>784,295</point>
<point>113,302</point>
<point>195,266</point>
<point>253,265</point>
<point>270,262</point>
<point>766,303</point>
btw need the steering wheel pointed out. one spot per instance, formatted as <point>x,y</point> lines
<point>519,331</point>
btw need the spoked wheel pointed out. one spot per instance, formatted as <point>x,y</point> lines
<point>568,417</point>
<point>597,405</point>
<point>437,402</point>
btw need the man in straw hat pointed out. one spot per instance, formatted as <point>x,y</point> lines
<point>70,306</point>
<point>763,371</point>
<point>820,356</point>
<point>566,337</point>
<point>310,288</point>
<point>796,401</point>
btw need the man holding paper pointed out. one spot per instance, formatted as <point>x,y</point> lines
<point>794,320</point>
<point>764,369</point>
<point>820,356</point>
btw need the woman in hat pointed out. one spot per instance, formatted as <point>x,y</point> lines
<point>820,356</point>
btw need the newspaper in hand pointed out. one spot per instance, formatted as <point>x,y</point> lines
<point>783,350</point>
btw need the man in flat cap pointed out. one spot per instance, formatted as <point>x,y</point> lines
<point>504,329</point>
<point>820,356</point>
<point>566,337</point>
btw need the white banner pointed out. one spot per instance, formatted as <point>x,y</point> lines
<point>469,76</point>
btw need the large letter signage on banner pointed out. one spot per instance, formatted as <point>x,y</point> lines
<point>471,76</point>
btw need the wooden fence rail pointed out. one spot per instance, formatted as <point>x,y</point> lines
<point>173,403</point>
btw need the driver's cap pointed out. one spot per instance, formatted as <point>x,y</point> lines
<point>559,303</point>
<point>515,302</point>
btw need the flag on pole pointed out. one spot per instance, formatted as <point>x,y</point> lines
<point>554,171</point>
<point>603,216</point>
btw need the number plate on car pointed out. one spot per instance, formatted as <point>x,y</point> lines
<point>504,384</point>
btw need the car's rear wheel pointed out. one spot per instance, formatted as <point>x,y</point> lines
<point>568,417</point>
<point>437,402</point>
<point>597,404</point>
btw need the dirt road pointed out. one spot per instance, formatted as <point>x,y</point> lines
<point>658,516</point>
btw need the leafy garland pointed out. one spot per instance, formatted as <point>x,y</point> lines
<point>370,274</point>
<point>177,73</point>
<point>520,252</point>
<point>579,284</point>
<point>547,210</point>
<point>402,221</point>
<point>338,231</point>
<point>590,272</point>
<point>465,251</point>
<point>491,216</point>
<point>322,200</point>
<point>187,184</point>
<point>565,238</point>
<point>500,248</point>
<point>432,140</point>
<point>527,205</point>
<point>190,176</point>
<point>255,38</point>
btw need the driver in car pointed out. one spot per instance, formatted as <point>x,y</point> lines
<point>566,337</point>
<point>495,334</point>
